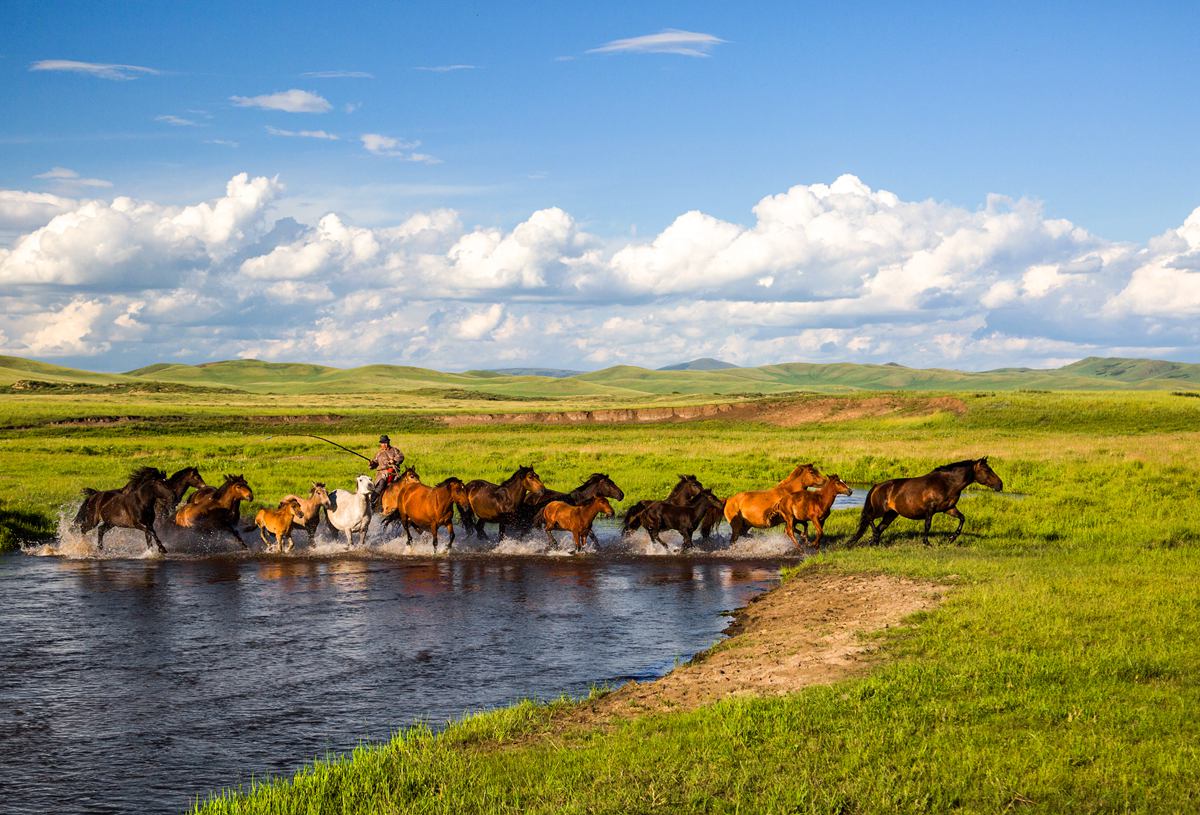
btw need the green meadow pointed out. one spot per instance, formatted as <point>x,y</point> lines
<point>1061,674</point>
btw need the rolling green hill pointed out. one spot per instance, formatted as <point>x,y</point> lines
<point>624,381</point>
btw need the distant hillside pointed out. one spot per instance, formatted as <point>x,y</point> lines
<point>702,364</point>
<point>624,381</point>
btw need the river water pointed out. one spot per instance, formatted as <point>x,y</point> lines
<point>136,685</point>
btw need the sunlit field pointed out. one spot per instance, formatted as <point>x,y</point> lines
<point>1059,674</point>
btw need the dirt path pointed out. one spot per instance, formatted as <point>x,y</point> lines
<point>785,412</point>
<point>807,631</point>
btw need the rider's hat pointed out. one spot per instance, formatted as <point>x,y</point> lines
<point>384,440</point>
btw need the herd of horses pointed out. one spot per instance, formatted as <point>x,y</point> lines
<point>522,503</point>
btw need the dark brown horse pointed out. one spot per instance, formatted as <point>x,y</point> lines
<point>131,507</point>
<point>657,516</point>
<point>815,506</point>
<point>577,520</point>
<point>686,489</point>
<point>432,507</point>
<point>179,483</point>
<point>217,509</point>
<point>595,485</point>
<point>923,497</point>
<point>497,503</point>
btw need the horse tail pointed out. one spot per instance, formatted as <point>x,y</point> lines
<point>81,515</point>
<point>466,516</point>
<point>633,517</point>
<point>864,520</point>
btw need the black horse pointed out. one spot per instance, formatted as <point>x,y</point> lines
<point>923,497</point>
<point>687,488</point>
<point>131,507</point>
<point>657,516</point>
<point>596,485</point>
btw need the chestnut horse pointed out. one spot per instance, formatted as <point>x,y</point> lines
<point>497,503</point>
<point>219,508</point>
<point>577,520</point>
<point>683,518</point>
<point>279,522</point>
<point>757,507</point>
<point>596,484</point>
<point>687,488</point>
<point>310,508</point>
<point>803,507</point>
<point>131,507</point>
<point>924,496</point>
<point>393,494</point>
<point>432,507</point>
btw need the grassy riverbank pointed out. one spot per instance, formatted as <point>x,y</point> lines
<point>1059,675</point>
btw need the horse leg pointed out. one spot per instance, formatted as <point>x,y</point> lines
<point>736,527</point>
<point>550,536</point>
<point>653,530</point>
<point>925,534</point>
<point>819,530</point>
<point>103,527</point>
<point>262,534</point>
<point>435,529</point>
<point>883,524</point>
<point>578,533</point>
<point>954,512</point>
<point>151,534</point>
<point>408,532</point>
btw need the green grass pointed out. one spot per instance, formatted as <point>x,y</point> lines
<point>1061,674</point>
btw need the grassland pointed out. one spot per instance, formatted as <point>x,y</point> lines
<point>1061,675</point>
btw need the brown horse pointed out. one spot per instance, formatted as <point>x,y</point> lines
<point>216,509</point>
<point>686,489</point>
<point>577,520</point>
<point>131,507</point>
<point>279,522</point>
<point>803,507</point>
<point>596,484</point>
<point>924,496</point>
<point>757,507</point>
<point>497,503</point>
<point>657,516</point>
<point>310,507</point>
<point>432,507</point>
<point>393,494</point>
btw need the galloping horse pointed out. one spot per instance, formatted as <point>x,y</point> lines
<point>350,512</point>
<point>179,484</point>
<point>131,507</point>
<point>393,494</point>
<point>595,485</point>
<point>216,508</point>
<point>577,520</point>
<point>496,503</point>
<point>757,507</point>
<point>657,516</point>
<point>687,488</point>
<point>802,507</point>
<point>924,496</point>
<point>310,507</point>
<point>432,507</point>
<point>279,522</point>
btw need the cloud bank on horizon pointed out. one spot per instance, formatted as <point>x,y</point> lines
<point>822,272</point>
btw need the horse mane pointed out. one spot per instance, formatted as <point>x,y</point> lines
<point>231,480</point>
<point>144,474</point>
<point>520,473</point>
<point>958,465</point>
<point>447,481</point>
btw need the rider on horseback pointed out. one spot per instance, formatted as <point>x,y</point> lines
<point>387,461</point>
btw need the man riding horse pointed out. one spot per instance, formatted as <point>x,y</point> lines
<point>388,461</point>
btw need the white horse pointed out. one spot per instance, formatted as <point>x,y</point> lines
<point>350,512</point>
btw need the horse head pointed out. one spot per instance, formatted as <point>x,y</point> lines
<point>530,480</point>
<point>688,487</point>
<point>409,476</point>
<point>710,500</point>
<point>986,476</point>
<point>236,486</point>
<point>606,487</point>
<point>602,503</point>
<point>840,487</point>
<point>457,490</point>
<point>365,485</point>
<point>808,475</point>
<point>319,492</point>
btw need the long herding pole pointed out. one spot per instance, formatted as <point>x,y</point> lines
<point>322,438</point>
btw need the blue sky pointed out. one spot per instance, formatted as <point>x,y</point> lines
<point>1083,113</point>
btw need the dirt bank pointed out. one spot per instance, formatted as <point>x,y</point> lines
<point>808,631</point>
<point>783,412</point>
